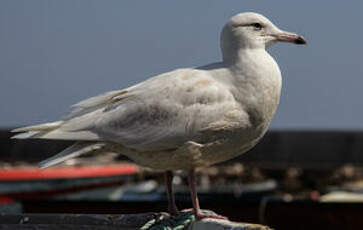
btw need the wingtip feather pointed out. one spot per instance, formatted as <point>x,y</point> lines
<point>41,127</point>
<point>26,135</point>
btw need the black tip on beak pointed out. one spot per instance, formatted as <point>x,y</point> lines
<point>300,41</point>
<point>290,37</point>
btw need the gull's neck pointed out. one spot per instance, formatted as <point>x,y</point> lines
<point>247,59</point>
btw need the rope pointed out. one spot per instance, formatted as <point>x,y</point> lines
<point>163,222</point>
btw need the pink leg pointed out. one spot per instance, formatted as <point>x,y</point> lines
<point>173,210</point>
<point>196,208</point>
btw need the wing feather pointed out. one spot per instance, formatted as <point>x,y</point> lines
<point>160,113</point>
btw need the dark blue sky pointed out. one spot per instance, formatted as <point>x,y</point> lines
<point>55,53</point>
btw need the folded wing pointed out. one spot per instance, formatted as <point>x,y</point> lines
<point>160,113</point>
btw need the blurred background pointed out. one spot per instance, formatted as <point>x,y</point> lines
<point>56,53</point>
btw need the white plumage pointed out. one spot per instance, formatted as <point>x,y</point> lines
<point>188,117</point>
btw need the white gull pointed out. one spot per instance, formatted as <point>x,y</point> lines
<point>186,118</point>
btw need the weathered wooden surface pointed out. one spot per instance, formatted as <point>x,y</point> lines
<point>210,224</point>
<point>106,222</point>
<point>73,221</point>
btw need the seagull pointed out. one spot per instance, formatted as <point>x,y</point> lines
<point>186,118</point>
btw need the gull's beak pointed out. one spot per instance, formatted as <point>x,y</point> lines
<point>284,36</point>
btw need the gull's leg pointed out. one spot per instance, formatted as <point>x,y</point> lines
<point>173,210</point>
<point>196,208</point>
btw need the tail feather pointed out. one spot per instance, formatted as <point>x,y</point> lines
<point>53,131</point>
<point>28,134</point>
<point>75,150</point>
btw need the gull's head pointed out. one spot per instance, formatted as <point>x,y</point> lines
<point>252,30</point>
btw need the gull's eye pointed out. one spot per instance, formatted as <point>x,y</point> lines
<point>257,26</point>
